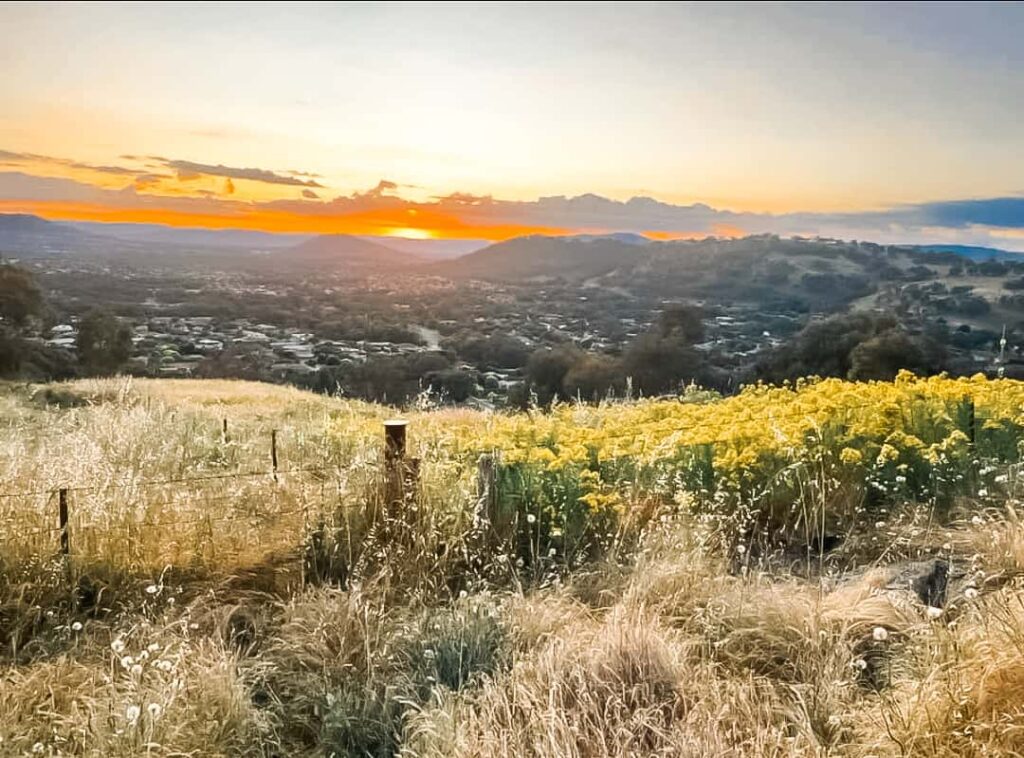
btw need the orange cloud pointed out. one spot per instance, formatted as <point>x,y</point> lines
<point>382,222</point>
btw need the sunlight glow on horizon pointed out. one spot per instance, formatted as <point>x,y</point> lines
<point>336,118</point>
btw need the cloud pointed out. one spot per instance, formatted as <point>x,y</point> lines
<point>229,172</point>
<point>994,221</point>
<point>28,158</point>
<point>146,181</point>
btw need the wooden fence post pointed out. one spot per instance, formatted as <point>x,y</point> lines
<point>399,473</point>
<point>224,432</point>
<point>62,520</point>
<point>273,452</point>
<point>486,489</point>
<point>971,421</point>
<point>394,439</point>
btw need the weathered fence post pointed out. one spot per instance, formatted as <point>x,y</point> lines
<point>495,522</point>
<point>971,421</point>
<point>394,440</point>
<point>486,490</point>
<point>224,432</point>
<point>62,520</point>
<point>273,452</point>
<point>401,474</point>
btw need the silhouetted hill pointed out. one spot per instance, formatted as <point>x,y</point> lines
<point>536,257</point>
<point>343,252</point>
<point>26,236</point>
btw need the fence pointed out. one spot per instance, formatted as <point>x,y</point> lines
<point>400,476</point>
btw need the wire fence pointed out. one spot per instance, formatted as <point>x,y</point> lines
<point>710,434</point>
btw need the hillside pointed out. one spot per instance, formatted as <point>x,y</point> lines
<point>629,578</point>
<point>27,236</point>
<point>346,253</point>
<point>536,258</point>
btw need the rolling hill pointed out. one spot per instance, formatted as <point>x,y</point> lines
<point>344,253</point>
<point>538,257</point>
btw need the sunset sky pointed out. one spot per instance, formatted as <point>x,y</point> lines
<point>890,122</point>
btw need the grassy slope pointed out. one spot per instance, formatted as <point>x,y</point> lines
<point>206,629</point>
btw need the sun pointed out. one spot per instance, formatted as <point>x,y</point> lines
<point>409,233</point>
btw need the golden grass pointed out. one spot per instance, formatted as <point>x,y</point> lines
<point>210,637</point>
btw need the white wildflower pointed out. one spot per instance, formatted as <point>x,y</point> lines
<point>859,663</point>
<point>552,553</point>
<point>154,710</point>
<point>76,627</point>
<point>933,612</point>
<point>38,747</point>
<point>127,662</point>
<point>132,713</point>
<point>164,666</point>
<point>136,670</point>
<point>152,589</point>
<point>530,518</point>
<point>153,647</point>
<point>977,520</point>
<point>117,646</point>
<point>971,593</point>
<point>880,633</point>
<point>463,595</point>
<point>983,492</point>
<point>741,549</point>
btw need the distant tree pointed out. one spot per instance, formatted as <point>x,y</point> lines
<point>547,368</point>
<point>593,377</point>
<point>453,385</point>
<point>20,298</point>
<point>884,355</point>
<point>858,346</point>
<point>20,301</point>
<point>659,364</point>
<point>684,323</point>
<point>104,342</point>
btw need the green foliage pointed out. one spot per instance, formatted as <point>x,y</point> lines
<point>20,297</point>
<point>104,343</point>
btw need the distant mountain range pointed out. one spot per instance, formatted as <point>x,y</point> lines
<point>618,256</point>
<point>974,252</point>
<point>25,236</point>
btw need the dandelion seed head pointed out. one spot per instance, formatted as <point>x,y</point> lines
<point>880,634</point>
<point>132,713</point>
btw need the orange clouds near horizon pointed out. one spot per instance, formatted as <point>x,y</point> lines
<point>388,222</point>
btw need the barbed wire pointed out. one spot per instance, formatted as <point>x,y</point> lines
<point>162,482</point>
<point>750,419</point>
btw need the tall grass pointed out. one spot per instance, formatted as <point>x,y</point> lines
<point>638,612</point>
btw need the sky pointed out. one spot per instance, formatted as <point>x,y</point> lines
<point>891,122</point>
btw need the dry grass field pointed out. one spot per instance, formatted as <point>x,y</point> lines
<point>829,569</point>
